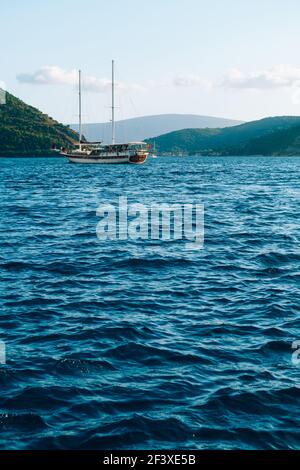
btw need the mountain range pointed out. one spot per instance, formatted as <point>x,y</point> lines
<point>141,128</point>
<point>270,136</point>
<point>26,131</point>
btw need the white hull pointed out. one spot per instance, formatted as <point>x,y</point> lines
<point>97,160</point>
<point>104,159</point>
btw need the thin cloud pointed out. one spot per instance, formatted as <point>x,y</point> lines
<point>54,75</point>
<point>191,81</point>
<point>279,76</point>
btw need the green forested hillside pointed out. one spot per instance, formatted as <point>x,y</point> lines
<point>24,130</point>
<point>269,136</point>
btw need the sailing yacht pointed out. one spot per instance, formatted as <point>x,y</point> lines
<point>153,154</point>
<point>97,152</point>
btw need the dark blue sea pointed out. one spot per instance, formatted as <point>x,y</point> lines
<point>146,344</point>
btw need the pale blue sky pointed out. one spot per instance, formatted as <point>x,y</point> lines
<point>172,56</point>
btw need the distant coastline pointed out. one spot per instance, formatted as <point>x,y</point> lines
<point>27,132</point>
<point>31,155</point>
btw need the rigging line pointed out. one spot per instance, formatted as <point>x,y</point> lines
<point>137,114</point>
<point>121,125</point>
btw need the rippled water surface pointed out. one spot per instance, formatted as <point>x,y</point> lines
<point>147,344</point>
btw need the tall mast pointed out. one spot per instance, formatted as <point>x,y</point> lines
<point>79,104</point>
<point>113,102</point>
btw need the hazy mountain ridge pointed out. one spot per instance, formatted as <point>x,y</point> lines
<point>24,130</point>
<point>269,136</point>
<point>145,127</point>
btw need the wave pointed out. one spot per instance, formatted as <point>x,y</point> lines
<point>126,344</point>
